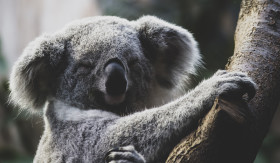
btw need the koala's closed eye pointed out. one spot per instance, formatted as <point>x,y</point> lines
<point>83,68</point>
<point>133,62</point>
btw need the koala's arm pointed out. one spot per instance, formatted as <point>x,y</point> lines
<point>156,131</point>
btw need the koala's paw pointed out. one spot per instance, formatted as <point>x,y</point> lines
<point>233,84</point>
<point>125,154</point>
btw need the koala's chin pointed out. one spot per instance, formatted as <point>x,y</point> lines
<point>114,100</point>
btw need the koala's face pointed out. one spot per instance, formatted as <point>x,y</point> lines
<point>106,63</point>
<point>106,69</point>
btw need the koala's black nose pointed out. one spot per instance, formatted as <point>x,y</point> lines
<point>115,81</point>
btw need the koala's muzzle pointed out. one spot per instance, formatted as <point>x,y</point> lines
<point>115,82</point>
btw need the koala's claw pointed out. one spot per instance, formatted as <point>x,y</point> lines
<point>125,154</point>
<point>235,84</point>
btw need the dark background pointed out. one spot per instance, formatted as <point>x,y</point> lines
<point>213,24</point>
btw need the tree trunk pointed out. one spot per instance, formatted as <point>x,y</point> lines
<point>231,131</point>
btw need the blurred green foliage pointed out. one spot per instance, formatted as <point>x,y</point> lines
<point>3,65</point>
<point>270,150</point>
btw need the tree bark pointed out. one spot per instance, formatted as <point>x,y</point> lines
<point>213,141</point>
<point>231,131</point>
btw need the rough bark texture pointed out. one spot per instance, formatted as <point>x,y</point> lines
<point>210,142</point>
<point>257,52</point>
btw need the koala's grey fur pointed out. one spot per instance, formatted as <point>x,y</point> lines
<point>64,74</point>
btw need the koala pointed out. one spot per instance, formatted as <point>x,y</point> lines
<point>113,90</point>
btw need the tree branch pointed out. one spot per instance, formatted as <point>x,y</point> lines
<point>257,52</point>
<point>231,131</point>
<point>212,140</point>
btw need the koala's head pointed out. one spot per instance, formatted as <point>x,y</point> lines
<point>106,63</point>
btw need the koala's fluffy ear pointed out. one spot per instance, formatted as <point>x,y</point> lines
<point>33,74</point>
<point>172,50</point>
